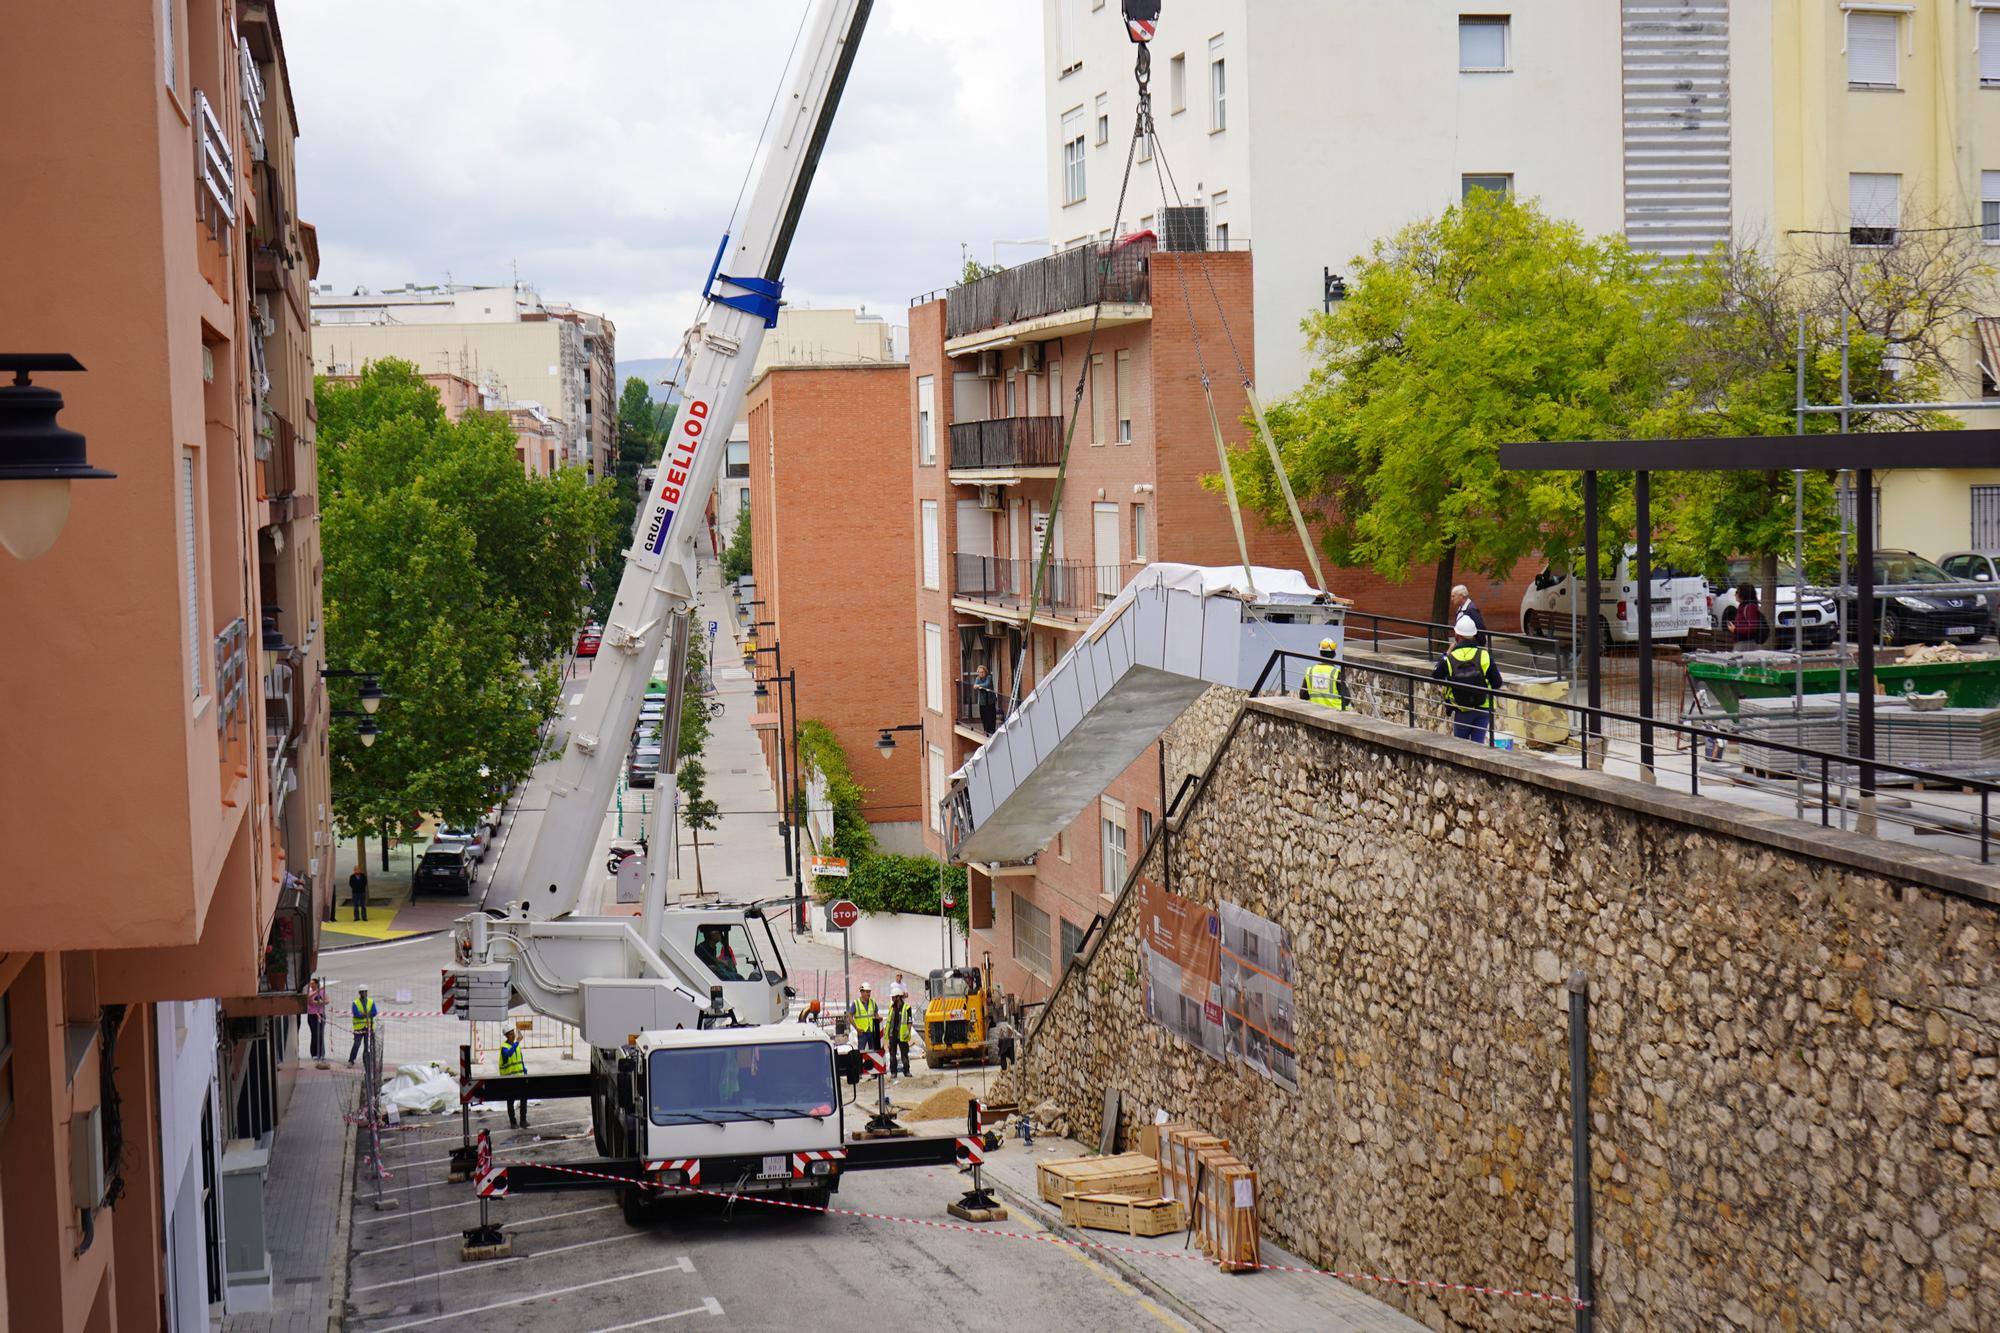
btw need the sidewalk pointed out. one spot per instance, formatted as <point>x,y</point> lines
<point>1195,1289</point>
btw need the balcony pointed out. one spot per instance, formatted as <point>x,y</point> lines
<point>1005,448</point>
<point>289,952</point>
<point>968,718</point>
<point>1052,297</point>
<point>1073,593</point>
<point>214,171</point>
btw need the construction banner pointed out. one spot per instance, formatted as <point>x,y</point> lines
<point>1257,998</point>
<point>1180,951</point>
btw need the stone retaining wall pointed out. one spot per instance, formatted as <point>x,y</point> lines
<point>1795,1038</point>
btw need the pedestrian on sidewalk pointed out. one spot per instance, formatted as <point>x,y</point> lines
<point>986,698</point>
<point>357,892</point>
<point>361,1020</point>
<point>899,1035</point>
<point>1005,1034</point>
<point>1463,605</point>
<point>867,1018</point>
<point>1465,668</point>
<point>514,1065</point>
<point>316,1018</point>
<point>898,990</point>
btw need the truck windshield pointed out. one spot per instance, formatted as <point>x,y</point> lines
<point>726,951</point>
<point>713,1084</point>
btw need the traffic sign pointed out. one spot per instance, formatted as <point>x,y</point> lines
<point>712,628</point>
<point>835,866</point>
<point>844,914</point>
<point>950,903</point>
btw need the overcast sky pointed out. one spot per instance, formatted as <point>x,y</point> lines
<point>599,146</point>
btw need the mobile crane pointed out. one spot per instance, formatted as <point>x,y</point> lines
<point>695,1079</point>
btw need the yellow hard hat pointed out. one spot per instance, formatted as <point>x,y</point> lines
<point>1328,646</point>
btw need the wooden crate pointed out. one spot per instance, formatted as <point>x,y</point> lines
<point>1122,1212</point>
<point>1226,1216</point>
<point>1121,1173</point>
<point>1181,1159</point>
<point>1153,1140</point>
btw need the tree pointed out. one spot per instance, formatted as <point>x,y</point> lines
<point>1488,324</point>
<point>457,581</point>
<point>698,812</point>
<point>642,426</point>
<point>736,559</point>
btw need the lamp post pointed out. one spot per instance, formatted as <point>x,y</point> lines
<point>885,744</point>
<point>38,458</point>
<point>370,696</point>
<point>787,771</point>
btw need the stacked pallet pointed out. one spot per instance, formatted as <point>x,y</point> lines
<point>1129,1173</point>
<point>1128,1213</point>
<point>1956,739</point>
<point>1218,1190</point>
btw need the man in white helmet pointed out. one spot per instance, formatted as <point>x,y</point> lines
<point>1468,672</point>
<point>1322,682</point>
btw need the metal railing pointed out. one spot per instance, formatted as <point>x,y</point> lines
<point>1941,804</point>
<point>968,703</point>
<point>1390,634</point>
<point>1110,270</point>
<point>1006,442</point>
<point>214,169</point>
<point>288,951</point>
<point>1073,588</point>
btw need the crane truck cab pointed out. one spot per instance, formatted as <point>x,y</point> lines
<point>731,945</point>
<point>747,1110</point>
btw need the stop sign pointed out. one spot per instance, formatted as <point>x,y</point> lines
<point>844,914</point>
<point>950,903</point>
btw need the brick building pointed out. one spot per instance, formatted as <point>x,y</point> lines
<point>831,535</point>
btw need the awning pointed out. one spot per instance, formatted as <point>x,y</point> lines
<point>1989,346</point>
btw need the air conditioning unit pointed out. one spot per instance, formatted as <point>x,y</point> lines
<point>1031,357</point>
<point>989,365</point>
<point>86,1158</point>
<point>993,498</point>
<point>1184,228</point>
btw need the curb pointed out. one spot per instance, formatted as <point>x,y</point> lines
<point>1033,1205</point>
<point>376,944</point>
<point>336,1295</point>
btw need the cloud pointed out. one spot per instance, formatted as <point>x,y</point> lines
<point>598,148</point>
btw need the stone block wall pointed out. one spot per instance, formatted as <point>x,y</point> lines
<point>1795,1038</point>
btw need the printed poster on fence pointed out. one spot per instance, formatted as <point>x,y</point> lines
<point>1180,953</point>
<point>1258,1004</point>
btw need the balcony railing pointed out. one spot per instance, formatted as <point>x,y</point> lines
<point>968,705</point>
<point>1073,588</point>
<point>288,950</point>
<point>1111,271</point>
<point>214,170</point>
<point>1006,442</point>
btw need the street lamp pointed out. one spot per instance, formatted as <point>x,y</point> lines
<point>367,731</point>
<point>371,691</point>
<point>885,744</point>
<point>38,458</point>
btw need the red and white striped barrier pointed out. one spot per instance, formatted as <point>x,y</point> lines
<point>448,991</point>
<point>800,1160</point>
<point>493,1183</point>
<point>971,1149</point>
<point>874,1062</point>
<point>691,1165</point>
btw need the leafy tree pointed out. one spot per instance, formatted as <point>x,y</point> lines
<point>698,812</point>
<point>736,559</point>
<point>1488,324</point>
<point>642,426</point>
<point>877,881</point>
<point>974,271</point>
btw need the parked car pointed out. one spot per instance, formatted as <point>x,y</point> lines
<point>494,814</point>
<point>474,838</point>
<point>1821,621</point>
<point>1917,602</point>
<point>1681,602</point>
<point>587,640</point>
<point>643,768</point>
<point>1976,567</point>
<point>445,865</point>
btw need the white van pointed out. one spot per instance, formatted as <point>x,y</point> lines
<point>1681,602</point>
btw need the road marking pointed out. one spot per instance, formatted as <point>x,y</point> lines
<point>415,1212</point>
<point>470,1269</point>
<point>431,1141</point>
<point>1121,1285</point>
<point>681,1265</point>
<point>708,1306</point>
<point>518,1227</point>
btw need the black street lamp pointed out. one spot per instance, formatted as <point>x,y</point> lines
<point>371,691</point>
<point>367,731</point>
<point>38,458</point>
<point>885,744</point>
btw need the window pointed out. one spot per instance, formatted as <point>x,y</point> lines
<point>1031,937</point>
<point>1989,48</point>
<point>1145,155</point>
<point>1070,19</point>
<point>1218,217</point>
<point>926,417</point>
<point>1482,42</point>
<point>1872,207</point>
<point>739,458</point>
<point>1121,371</point>
<point>1062,845</point>
<point>1139,556</point>
<point>1844,503</point>
<point>930,525</point>
<point>1871,49</point>
<point>1985,519</point>
<point>1098,400</point>
<point>1072,140</point>
<point>170,42</point>
<point>1177,85</point>
<point>1111,828</point>
<point>1103,109</point>
<point>933,668</point>
<point>1218,88</point>
<point>1072,940</point>
<point>1501,183</point>
<point>1989,207</point>
<point>1104,549</point>
<point>191,571</point>
<point>1145,827</point>
<point>939,780</point>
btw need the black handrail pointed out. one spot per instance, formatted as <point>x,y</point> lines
<point>1438,637</point>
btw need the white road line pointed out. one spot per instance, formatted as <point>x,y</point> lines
<point>514,1227</point>
<point>414,1212</point>
<point>431,1141</point>
<point>708,1306</point>
<point>497,1263</point>
<point>681,1265</point>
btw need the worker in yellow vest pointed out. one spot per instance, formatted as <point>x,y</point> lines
<point>513,1065</point>
<point>867,1020</point>
<point>900,1030</point>
<point>360,1021</point>
<point>1322,682</point>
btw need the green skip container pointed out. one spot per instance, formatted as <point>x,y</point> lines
<point>1974,683</point>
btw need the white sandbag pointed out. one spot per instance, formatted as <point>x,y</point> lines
<point>424,1089</point>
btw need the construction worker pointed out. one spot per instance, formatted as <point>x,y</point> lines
<point>1322,682</point>
<point>361,1021</point>
<point>1464,668</point>
<point>867,1020</point>
<point>513,1065</point>
<point>900,1028</point>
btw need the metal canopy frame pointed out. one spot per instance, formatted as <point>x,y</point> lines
<point>1859,452</point>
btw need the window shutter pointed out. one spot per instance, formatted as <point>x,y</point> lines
<point>930,544</point>
<point>191,572</point>
<point>1989,46</point>
<point>1871,200</point>
<point>1871,49</point>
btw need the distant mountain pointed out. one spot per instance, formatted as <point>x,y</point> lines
<point>651,369</point>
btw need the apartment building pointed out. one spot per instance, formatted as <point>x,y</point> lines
<point>163,781</point>
<point>993,370</point>
<point>831,533</point>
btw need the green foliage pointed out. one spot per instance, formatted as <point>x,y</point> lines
<point>642,425</point>
<point>736,560</point>
<point>820,753</point>
<point>697,811</point>
<point>876,881</point>
<point>454,578</point>
<point>974,271</point>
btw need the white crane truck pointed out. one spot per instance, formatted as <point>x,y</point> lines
<point>696,1080</point>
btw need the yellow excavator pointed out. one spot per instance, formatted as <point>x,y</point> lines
<point>958,1017</point>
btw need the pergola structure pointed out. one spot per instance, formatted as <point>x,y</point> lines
<point>1860,453</point>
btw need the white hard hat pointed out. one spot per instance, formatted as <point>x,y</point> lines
<point>1465,629</point>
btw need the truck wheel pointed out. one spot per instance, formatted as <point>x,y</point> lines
<point>637,1207</point>
<point>932,1060</point>
<point>597,1120</point>
<point>816,1198</point>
